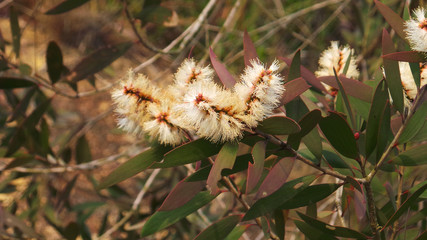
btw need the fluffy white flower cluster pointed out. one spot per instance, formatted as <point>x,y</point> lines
<point>416,33</point>
<point>336,57</point>
<point>196,104</point>
<point>416,30</point>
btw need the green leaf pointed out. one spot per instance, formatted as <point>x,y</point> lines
<point>236,233</point>
<point>294,69</point>
<point>163,219</point>
<point>16,31</point>
<point>385,135</point>
<point>66,6</point>
<point>83,150</point>
<point>414,124</point>
<point>279,125</point>
<point>14,82</point>
<point>284,193</point>
<point>224,75</point>
<point>395,21</point>
<point>219,229</point>
<point>87,206</point>
<point>422,134</point>
<point>183,192</point>
<point>313,142</point>
<point>248,49</point>
<point>414,156</point>
<point>392,73</point>
<point>344,97</point>
<point>330,229</point>
<point>294,88</point>
<point>188,153</point>
<point>334,160</point>
<point>255,170</point>
<point>97,61</point>
<point>339,134</point>
<point>375,114</point>
<point>312,194</point>
<point>133,166</point>
<point>312,233</point>
<point>307,123</point>
<point>23,104</point>
<point>225,159</point>
<point>54,62</point>
<point>409,201</point>
<point>279,220</point>
<point>27,125</point>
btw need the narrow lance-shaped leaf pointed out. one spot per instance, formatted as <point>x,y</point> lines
<point>97,61</point>
<point>54,62</point>
<point>163,219</point>
<point>248,49</point>
<point>307,75</point>
<point>273,201</point>
<point>255,169</point>
<point>311,232</point>
<point>133,166</point>
<point>307,123</point>
<point>409,201</point>
<point>237,232</point>
<point>295,68</point>
<point>330,229</point>
<point>28,124</point>
<point>392,73</point>
<point>351,86</point>
<point>219,229</point>
<point>375,113</point>
<point>359,205</point>
<point>16,31</point>
<point>310,195</point>
<point>414,124</point>
<point>339,134</point>
<point>279,125</point>
<point>414,156</point>
<point>345,99</point>
<point>280,221</point>
<point>294,88</point>
<point>182,193</point>
<point>66,6</point>
<point>395,21</point>
<point>188,153</point>
<point>225,159</point>
<point>276,177</point>
<point>224,75</point>
<point>408,56</point>
<point>14,82</point>
<point>22,105</point>
<point>385,134</point>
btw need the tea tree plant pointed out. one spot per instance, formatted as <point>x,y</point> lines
<point>284,149</point>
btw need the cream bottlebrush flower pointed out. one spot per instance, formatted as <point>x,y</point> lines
<point>163,124</point>
<point>260,89</point>
<point>211,111</point>
<point>408,82</point>
<point>416,31</point>
<point>336,57</point>
<point>132,99</point>
<point>189,72</point>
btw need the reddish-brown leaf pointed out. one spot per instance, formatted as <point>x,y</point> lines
<point>307,75</point>
<point>293,89</point>
<point>395,21</point>
<point>351,86</point>
<point>224,75</point>
<point>248,49</point>
<point>408,56</point>
<point>255,169</point>
<point>181,194</point>
<point>276,177</point>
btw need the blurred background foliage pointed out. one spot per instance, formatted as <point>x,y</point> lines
<point>59,59</point>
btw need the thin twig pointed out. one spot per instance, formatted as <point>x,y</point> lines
<point>185,36</point>
<point>135,205</point>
